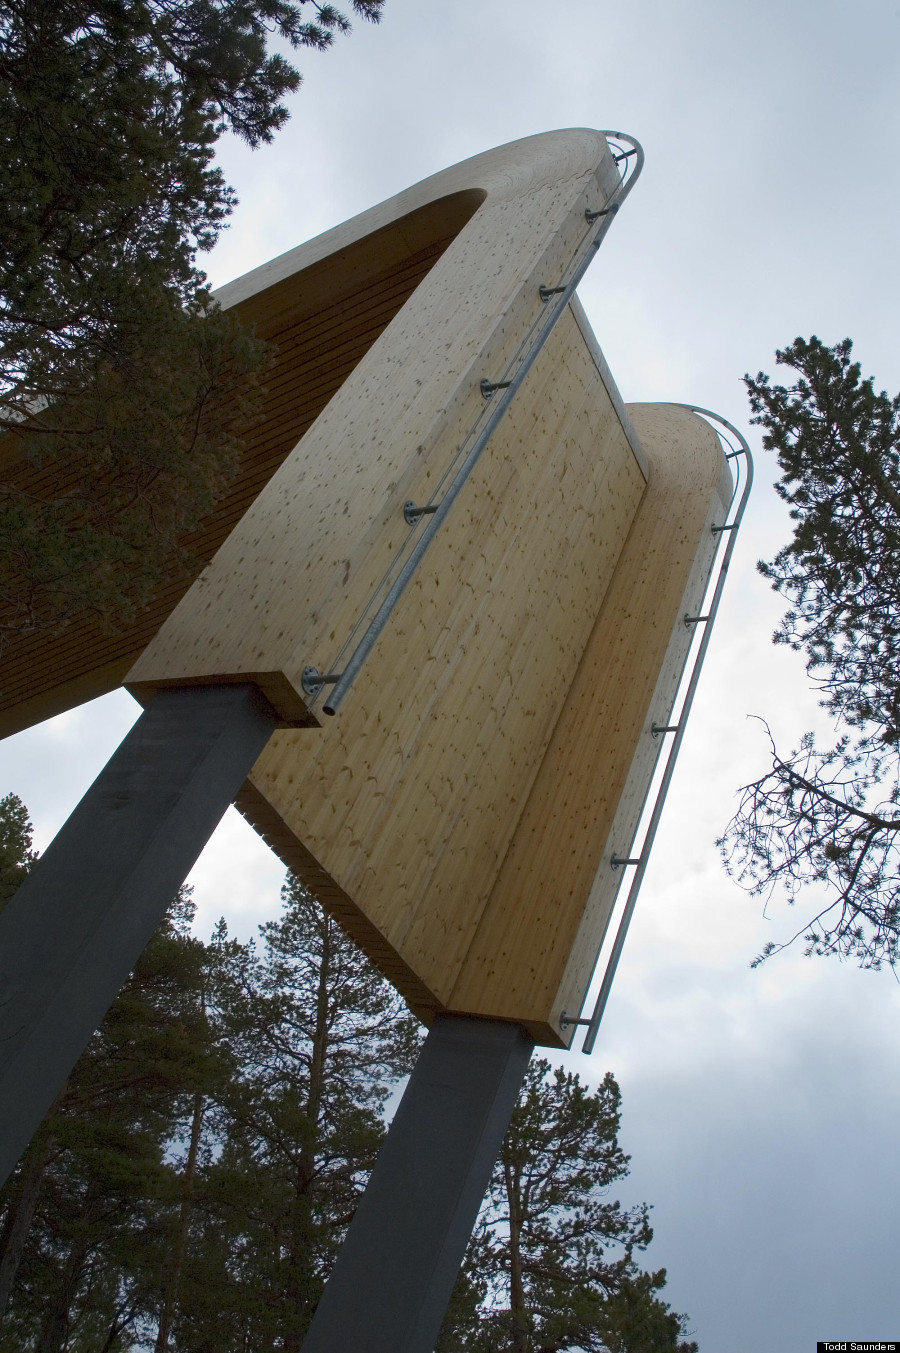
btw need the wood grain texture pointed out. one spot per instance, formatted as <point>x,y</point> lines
<point>410,798</point>
<point>291,581</point>
<point>459,817</point>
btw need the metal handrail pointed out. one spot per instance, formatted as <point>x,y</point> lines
<point>729,530</point>
<point>555,301</point>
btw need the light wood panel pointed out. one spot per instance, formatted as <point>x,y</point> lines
<point>409,799</point>
<point>542,928</point>
<point>291,581</point>
<point>460,823</point>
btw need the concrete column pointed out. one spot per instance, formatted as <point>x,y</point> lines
<point>394,1275</point>
<point>74,930</point>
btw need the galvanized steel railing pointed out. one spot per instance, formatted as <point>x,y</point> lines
<point>728,530</point>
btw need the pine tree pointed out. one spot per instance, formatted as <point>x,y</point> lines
<point>219,1005</point>
<point>321,1044</point>
<point>831,818</point>
<point>191,1187</point>
<point>125,393</point>
<point>84,1214</point>
<point>16,853</point>
<point>550,1266</point>
<point>633,1319</point>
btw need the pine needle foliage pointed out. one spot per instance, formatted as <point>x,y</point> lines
<point>828,819</point>
<point>551,1264</point>
<point>125,393</point>
<point>16,852</point>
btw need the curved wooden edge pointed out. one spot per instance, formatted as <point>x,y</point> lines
<point>495,175</point>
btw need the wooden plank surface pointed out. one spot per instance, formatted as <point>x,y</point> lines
<point>290,583</point>
<point>542,928</point>
<point>409,801</point>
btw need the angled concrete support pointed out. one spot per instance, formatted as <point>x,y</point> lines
<point>74,930</point>
<point>395,1273</point>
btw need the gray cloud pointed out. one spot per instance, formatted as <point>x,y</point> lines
<point>760,1107</point>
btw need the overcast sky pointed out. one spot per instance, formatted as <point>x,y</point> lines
<point>760,1107</point>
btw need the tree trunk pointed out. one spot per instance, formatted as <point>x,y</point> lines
<point>55,1331</point>
<point>21,1214</point>
<point>517,1305</point>
<point>170,1298</point>
<point>319,1053</point>
<point>115,1330</point>
<point>301,1268</point>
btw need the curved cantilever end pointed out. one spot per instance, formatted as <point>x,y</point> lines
<point>736,453</point>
